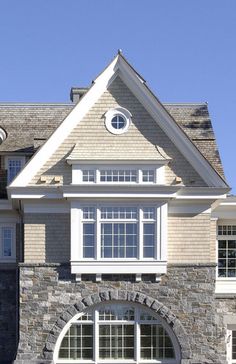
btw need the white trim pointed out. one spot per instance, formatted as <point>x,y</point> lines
<point>118,267</point>
<point>153,106</point>
<point>171,128</point>
<point>77,174</point>
<point>136,323</point>
<point>99,265</point>
<point>3,135</point>
<point>118,111</point>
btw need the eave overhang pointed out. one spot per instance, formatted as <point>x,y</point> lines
<point>117,192</point>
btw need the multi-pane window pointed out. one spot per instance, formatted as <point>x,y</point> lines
<point>118,122</point>
<point>118,175</point>
<point>226,251</point>
<point>6,242</point>
<point>119,232</point>
<point>231,346</point>
<point>148,175</point>
<point>118,332</point>
<point>13,168</point>
<point>88,175</point>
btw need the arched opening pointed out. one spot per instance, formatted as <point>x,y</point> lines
<point>117,332</point>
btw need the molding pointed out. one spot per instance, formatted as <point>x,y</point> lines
<point>61,133</point>
<point>169,126</point>
<point>116,267</point>
<point>121,162</point>
<point>119,66</point>
<point>118,111</point>
<point>225,286</point>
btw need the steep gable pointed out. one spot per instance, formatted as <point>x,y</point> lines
<point>120,67</point>
<point>144,141</point>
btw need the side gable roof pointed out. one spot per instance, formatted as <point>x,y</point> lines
<point>119,66</point>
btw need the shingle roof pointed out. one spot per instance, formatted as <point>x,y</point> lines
<point>29,125</point>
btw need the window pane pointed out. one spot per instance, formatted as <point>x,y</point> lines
<point>88,213</point>
<point>149,213</point>
<point>149,240</point>
<point>116,313</point>
<point>119,240</point>
<point>88,240</point>
<point>7,239</point>
<point>116,341</point>
<point>120,175</point>
<point>148,175</point>
<point>89,176</point>
<point>14,167</point>
<point>77,343</point>
<point>227,258</point>
<point>155,343</point>
<point>119,213</point>
<point>233,344</point>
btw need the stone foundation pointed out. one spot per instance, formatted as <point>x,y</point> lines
<point>8,315</point>
<point>50,296</point>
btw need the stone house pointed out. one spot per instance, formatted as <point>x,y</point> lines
<point>117,240</point>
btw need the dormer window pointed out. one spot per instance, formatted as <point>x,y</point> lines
<point>118,120</point>
<point>14,164</point>
<point>120,174</point>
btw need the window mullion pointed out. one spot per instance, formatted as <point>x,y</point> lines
<point>137,346</point>
<point>158,235</point>
<point>98,233</point>
<point>96,337</point>
<point>140,235</point>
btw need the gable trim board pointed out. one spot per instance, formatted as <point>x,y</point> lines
<point>120,67</point>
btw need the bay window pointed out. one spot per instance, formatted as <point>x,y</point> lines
<point>116,231</point>
<point>118,238</point>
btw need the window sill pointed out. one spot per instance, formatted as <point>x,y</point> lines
<point>225,286</point>
<point>118,267</point>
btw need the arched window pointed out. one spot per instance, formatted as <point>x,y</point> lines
<point>117,332</point>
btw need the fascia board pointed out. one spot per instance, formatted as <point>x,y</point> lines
<point>117,161</point>
<point>172,130</point>
<point>97,89</point>
<point>118,195</point>
<point>34,192</point>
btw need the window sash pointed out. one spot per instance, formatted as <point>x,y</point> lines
<point>120,232</point>
<point>117,340</point>
<point>7,238</point>
<point>227,258</point>
<point>14,166</point>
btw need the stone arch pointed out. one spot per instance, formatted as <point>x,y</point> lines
<point>118,295</point>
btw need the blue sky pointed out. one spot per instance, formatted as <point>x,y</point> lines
<point>185,49</point>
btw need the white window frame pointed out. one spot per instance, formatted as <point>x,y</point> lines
<point>136,323</point>
<point>224,285</point>
<point>4,259</point>
<point>118,111</point>
<point>99,265</point>
<point>229,336</point>
<point>159,172</point>
<point>13,158</point>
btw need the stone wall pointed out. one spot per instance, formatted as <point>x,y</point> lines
<point>50,296</point>
<point>8,315</point>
